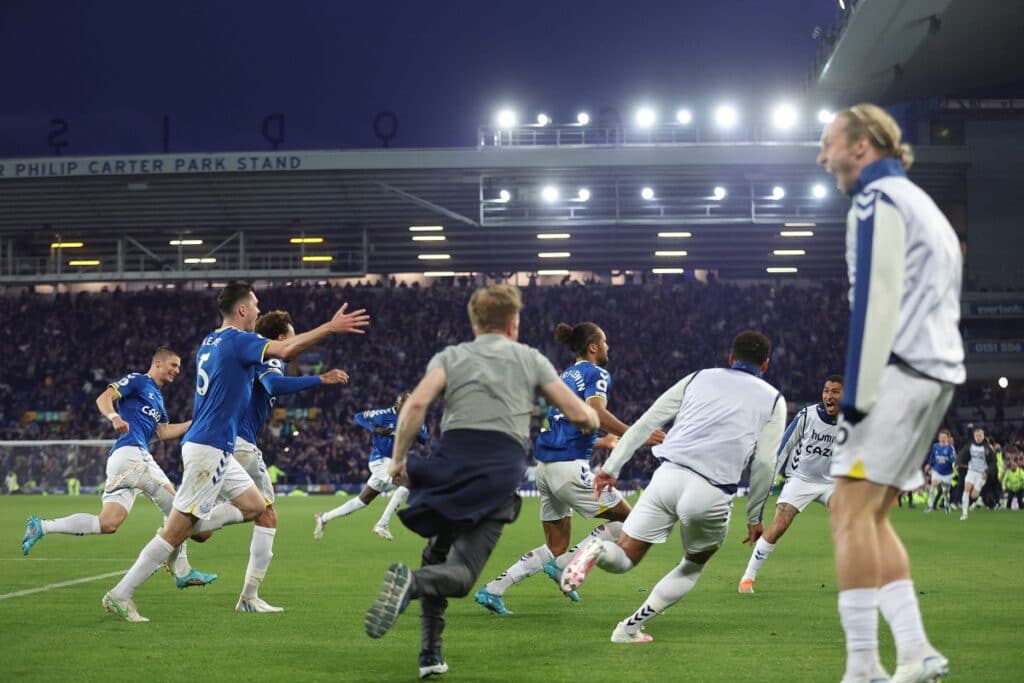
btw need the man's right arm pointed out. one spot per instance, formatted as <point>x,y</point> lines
<point>341,323</point>
<point>105,403</point>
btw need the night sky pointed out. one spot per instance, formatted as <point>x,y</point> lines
<point>112,70</point>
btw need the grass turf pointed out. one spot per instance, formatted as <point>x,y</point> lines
<point>968,576</point>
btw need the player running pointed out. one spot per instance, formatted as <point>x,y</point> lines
<point>940,466</point>
<point>135,407</point>
<point>979,457</point>
<point>225,369</point>
<point>564,479</point>
<point>381,423</point>
<point>804,459</point>
<point>723,418</point>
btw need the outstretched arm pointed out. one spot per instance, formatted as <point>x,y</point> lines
<point>165,431</point>
<point>341,323</point>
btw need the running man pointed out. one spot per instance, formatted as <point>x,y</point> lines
<point>980,458</point>
<point>804,459</point>
<point>940,466</point>
<point>381,423</point>
<point>134,405</point>
<point>724,418</point>
<point>564,479</point>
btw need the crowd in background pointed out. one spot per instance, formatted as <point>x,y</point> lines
<point>62,350</point>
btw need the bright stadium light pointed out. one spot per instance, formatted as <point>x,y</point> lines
<point>789,252</point>
<point>794,224</point>
<point>553,235</point>
<point>208,259</point>
<point>543,119</point>
<point>675,234</point>
<point>781,270</point>
<point>825,116</point>
<point>583,118</point>
<point>549,193</point>
<point>784,116</point>
<point>506,119</point>
<point>778,192</point>
<point>583,195</point>
<point>819,191</point>
<point>293,240</point>
<point>726,116</point>
<point>554,254</point>
<point>646,117</point>
<point>426,228</point>
<point>67,245</point>
<point>186,243</point>
<point>433,257</point>
<point>647,193</point>
<point>797,233</point>
<point>667,271</point>
<point>504,196</point>
<point>318,259</point>
<point>439,273</point>
<point>684,117</point>
<point>670,253</point>
<point>429,238</point>
<point>84,262</point>
<point>719,193</point>
<point>1003,382</point>
<point>556,271</point>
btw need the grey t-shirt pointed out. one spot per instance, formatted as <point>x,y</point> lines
<point>978,461</point>
<point>491,385</point>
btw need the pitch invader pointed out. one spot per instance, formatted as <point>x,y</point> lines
<point>564,479</point>
<point>381,423</point>
<point>225,370</point>
<point>941,463</point>
<point>804,459</point>
<point>270,383</point>
<point>135,407</point>
<point>979,458</point>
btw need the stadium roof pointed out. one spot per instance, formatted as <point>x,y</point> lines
<point>362,203</point>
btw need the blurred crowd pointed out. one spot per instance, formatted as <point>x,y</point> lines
<point>62,350</point>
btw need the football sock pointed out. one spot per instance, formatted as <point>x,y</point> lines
<point>898,604</point>
<point>858,612</point>
<point>672,588</point>
<point>529,564</point>
<point>397,498</point>
<point>260,554</point>
<point>348,508</point>
<point>79,524</point>
<point>154,554</point>
<point>762,549</point>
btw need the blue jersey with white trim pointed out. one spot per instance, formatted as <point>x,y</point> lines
<point>563,441</point>
<point>942,459</point>
<point>905,264</point>
<point>226,365</point>
<point>141,404</point>
<point>381,423</point>
<point>262,401</point>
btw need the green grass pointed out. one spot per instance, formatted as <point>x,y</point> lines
<point>968,575</point>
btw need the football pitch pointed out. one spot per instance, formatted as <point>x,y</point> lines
<point>968,575</point>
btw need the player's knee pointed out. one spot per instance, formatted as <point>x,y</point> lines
<point>109,526</point>
<point>202,537</point>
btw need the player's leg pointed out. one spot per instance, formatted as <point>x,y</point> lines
<point>261,548</point>
<point>383,526</point>
<point>111,516</point>
<point>378,482</point>
<point>933,493</point>
<point>968,495</point>
<point>785,513</point>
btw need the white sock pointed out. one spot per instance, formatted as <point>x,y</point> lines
<point>397,498</point>
<point>163,499</point>
<point>261,551</point>
<point>609,531</point>
<point>762,549</point>
<point>529,564</point>
<point>220,516</point>
<point>858,612</point>
<point>79,524</point>
<point>898,603</point>
<point>672,588</point>
<point>347,508</point>
<point>965,501</point>
<point>614,559</point>
<point>178,561</point>
<point>154,554</point>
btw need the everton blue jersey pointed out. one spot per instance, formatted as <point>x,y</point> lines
<point>262,402</point>
<point>141,405</point>
<point>226,366</point>
<point>384,420</point>
<point>942,459</point>
<point>562,440</point>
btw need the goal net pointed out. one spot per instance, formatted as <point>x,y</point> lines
<point>69,466</point>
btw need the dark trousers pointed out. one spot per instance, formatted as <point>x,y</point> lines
<point>1019,495</point>
<point>452,563</point>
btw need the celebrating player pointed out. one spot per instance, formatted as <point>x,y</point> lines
<point>941,462</point>
<point>904,356</point>
<point>564,479</point>
<point>139,413</point>
<point>381,423</point>
<point>724,419</point>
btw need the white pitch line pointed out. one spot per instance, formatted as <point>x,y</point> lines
<point>61,584</point>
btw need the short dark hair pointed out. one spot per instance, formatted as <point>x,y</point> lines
<point>232,295</point>
<point>946,432</point>
<point>164,350</point>
<point>577,337</point>
<point>838,379</point>
<point>751,347</point>
<point>273,324</point>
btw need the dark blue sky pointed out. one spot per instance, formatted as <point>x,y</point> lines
<point>113,69</point>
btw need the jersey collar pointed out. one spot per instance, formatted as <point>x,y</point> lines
<point>825,417</point>
<point>749,368</point>
<point>874,171</point>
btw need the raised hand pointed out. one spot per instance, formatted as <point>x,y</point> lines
<point>349,323</point>
<point>334,377</point>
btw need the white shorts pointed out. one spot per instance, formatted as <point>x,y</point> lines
<point>975,479</point>
<point>944,479</point>
<point>677,494</point>
<point>567,486</point>
<point>250,457</point>
<point>380,480</point>
<point>209,473</point>
<point>120,459</point>
<point>800,493</point>
<point>889,445</point>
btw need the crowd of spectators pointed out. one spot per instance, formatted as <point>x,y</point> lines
<point>61,351</point>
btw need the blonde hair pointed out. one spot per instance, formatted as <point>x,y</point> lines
<point>491,308</point>
<point>874,123</point>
